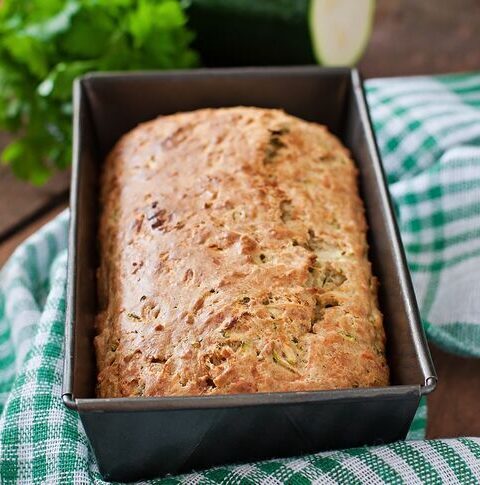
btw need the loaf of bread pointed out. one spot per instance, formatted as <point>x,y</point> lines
<point>234,260</point>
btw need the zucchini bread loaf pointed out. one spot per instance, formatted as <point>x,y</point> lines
<point>234,260</point>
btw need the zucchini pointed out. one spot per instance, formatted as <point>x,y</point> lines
<point>280,32</point>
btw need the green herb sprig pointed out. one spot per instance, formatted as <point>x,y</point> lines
<point>46,44</point>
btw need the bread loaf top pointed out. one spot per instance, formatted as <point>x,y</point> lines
<point>234,260</point>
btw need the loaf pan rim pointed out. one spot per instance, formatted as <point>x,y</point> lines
<point>158,403</point>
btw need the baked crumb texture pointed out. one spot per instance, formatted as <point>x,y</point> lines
<point>234,260</point>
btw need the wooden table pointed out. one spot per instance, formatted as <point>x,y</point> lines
<point>410,37</point>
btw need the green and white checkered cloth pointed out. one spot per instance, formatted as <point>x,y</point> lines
<point>429,134</point>
<point>428,131</point>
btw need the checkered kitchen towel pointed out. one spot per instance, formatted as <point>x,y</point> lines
<point>429,133</point>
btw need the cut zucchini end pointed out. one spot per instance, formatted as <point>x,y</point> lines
<point>340,30</point>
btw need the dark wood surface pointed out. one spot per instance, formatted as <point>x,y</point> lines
<point>423,37</point>
<point>453,408</point>
<point>21,203</point>
<point>410,37</point>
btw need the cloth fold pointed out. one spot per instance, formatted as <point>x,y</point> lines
<point>428,131</point>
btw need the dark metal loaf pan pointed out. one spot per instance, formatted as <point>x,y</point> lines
<point>136,438</point>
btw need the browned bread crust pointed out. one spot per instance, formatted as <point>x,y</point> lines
<point>234,260</point>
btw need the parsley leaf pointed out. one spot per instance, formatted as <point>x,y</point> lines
<point>46,44</point>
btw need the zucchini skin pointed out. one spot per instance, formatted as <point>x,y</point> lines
<point>251,32</point>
